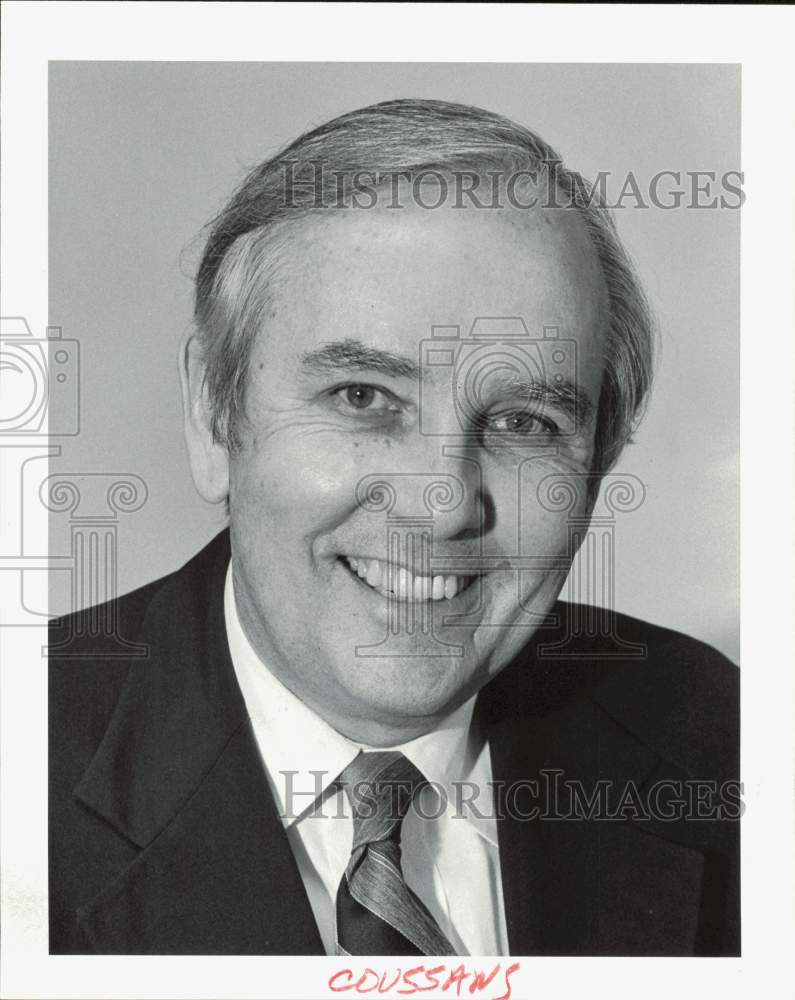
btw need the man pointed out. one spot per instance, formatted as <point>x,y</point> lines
<point>364,723</point>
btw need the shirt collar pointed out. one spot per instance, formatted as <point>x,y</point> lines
<point>303,754</point>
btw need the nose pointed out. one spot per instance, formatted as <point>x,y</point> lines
<point>461,513</point>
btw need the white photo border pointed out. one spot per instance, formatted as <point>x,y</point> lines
<point>757,38</point>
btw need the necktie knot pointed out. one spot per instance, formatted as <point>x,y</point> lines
<point>380,787</point>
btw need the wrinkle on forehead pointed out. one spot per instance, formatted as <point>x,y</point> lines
<point>356,272</point>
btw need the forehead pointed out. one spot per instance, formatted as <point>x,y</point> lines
<point>385,277</point>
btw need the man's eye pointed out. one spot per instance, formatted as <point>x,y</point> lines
<point>360,396</point>
<point>520,422</point>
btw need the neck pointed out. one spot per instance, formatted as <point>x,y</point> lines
<point>376,734</point>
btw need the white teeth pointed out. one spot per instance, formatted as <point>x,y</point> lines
<point>374,573</point>
<point>398,582</point>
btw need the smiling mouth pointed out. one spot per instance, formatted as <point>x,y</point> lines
<point>403,585</point>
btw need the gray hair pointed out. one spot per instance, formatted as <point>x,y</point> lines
<point>406,138</point>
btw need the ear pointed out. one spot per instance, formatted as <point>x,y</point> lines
<point>209,460</point>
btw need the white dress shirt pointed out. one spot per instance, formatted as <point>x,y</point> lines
<point>450,856</point>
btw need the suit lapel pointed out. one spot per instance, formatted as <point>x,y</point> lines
<point>580,887</point>
<point>178,774</point>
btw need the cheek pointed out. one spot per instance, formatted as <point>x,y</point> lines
<point>291,480</point>
<point>537,507</point>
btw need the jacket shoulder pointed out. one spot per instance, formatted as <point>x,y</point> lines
<point>678,694</point>
<point>675,694</point>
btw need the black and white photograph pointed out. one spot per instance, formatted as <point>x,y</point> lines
<point>382,419</point>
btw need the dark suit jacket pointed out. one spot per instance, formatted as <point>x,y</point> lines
<point>164,837</point>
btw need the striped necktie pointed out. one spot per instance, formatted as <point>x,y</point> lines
<point>377,913</point>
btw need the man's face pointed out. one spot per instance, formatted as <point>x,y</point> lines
<point>342,395</point>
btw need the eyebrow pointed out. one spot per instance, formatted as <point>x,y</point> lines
<point>352,355</point>
<point>565,396</point>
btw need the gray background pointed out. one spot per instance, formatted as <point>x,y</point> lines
<point>143,154</point>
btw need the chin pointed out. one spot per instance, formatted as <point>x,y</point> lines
<point>405,690</point>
